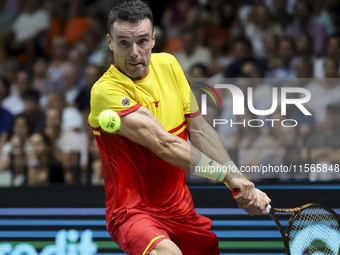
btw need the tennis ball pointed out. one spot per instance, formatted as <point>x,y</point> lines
<point>109,121</point>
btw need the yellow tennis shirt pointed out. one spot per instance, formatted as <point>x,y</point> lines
<point>136,180</point>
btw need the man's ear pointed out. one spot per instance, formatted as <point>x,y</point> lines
<point>109,41</point>
<point>153,38</point>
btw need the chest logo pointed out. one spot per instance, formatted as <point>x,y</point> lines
<point>156,103</point>
<point>125,101</point>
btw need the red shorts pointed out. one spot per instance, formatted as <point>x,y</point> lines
<point>140,233</point>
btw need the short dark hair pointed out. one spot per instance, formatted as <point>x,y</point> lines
<point>334,107</point>
<point>290,40</point>
<point>130,10</point>
<point>203,68</point>
<point>244,40</point>
<point>13,122</point>
<point>307,4</point>
<point>31,94</point>
<point>6,85</point>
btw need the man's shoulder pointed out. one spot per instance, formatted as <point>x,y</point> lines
<point>109,81</point>
<point>163,57</point>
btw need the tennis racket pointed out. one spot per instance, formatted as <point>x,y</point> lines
<point>312,229</point>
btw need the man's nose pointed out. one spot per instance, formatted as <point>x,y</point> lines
<point>134,52</point>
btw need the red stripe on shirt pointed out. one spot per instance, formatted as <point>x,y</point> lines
<point>193,115</point>
<point>177,128</point>
<point>129,110</point>
<point>96,128</point>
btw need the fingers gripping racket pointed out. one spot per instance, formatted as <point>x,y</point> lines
<point>312,229</point>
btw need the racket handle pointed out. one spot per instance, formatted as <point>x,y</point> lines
<point>269,207</point>
<point>236,191</point>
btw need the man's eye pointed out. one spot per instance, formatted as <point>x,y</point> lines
<point>142,41</point>
<point>124,43</point>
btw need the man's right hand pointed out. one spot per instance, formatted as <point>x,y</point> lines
<point>252,200</point>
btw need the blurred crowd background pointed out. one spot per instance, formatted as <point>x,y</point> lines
<point>53,51</point>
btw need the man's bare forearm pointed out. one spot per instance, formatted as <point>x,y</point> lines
<point>205,139</point>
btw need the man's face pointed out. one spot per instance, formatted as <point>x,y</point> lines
<point>333,46</point>
<point>301,11</point>
<point>131,45</point>
<point>92,75</point>
<point>285,51</point>
<point>240,50</point>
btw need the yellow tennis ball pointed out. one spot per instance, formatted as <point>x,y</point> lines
<point>109,121</point>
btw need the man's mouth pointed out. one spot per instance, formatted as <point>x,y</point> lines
<point>136,64</point>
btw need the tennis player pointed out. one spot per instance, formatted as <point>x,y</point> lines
<point>149,208</point>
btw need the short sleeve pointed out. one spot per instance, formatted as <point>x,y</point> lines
<point>190,106</point>
<point>110,97</point>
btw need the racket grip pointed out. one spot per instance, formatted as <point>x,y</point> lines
<point>236,191</point>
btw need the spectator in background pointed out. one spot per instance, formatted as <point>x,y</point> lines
<point>253,146</point>
<point>5,115</point>
<point>304,70</point>
<point>334,12</point>
<point>289,5</point>
<point>214,36</point>
<point>108,60</point>
<point>175,15</point>
<point>242,51</point>
<point>245,13</point>
<point>262,92</point>
<point>199,70</point>
<point>72,119</point>
<point>93,73</point>
<point>6,21</point>
<point>324,146</point>
<point>324,92</point>
<point>70,144</point>
<point>8,69</point>
<point>91,43</point>
<point>18,136</point>
<point>261,25</point>
<point>290,154</point>
<point>292,141</point>
<point>243,82</point>
<point>228,11</point>
<point>280,14</point>
<point>271,46</point>
<point>76,22</point>
<point>331,68</point>
<point>192,52</point>
<point>160,41</point>
<point>33,111</point>
<point>14,172</point>
<point>70,82</point>
<point>332,51</point>
<point>306,123</point>
<point>304,46</point>
<point>322,16</point>
<point>29,31</point>
<point>14,103</point>
<point>305,22</point>
<point>43,166</point>
<point>41,81</point>
<point>77,57</point>
<point>55,11</point>
<point>57,65</point>
<point>94,167</point>
<point>286,69</point>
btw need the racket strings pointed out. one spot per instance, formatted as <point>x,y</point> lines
<point>314,230</point>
